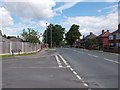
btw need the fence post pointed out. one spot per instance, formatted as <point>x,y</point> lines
<point>22,47</point>
<point>10,47</point>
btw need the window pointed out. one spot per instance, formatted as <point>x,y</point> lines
<point>110,44</point>
<point>117,44</point>
<point>111,37</point>
<point>117,35</point>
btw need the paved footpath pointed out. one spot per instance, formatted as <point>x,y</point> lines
<point>46,69</point>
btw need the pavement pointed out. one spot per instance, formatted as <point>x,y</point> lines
<point>61,68</point>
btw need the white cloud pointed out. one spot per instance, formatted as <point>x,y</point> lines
<point>94,23</point>
<point>10,31</point>
<point>86,0</point>
<point>34,9</point>
<point>113,8</point>
<point>5,18</point>
<point>42,24</point>
<point>65,6</point>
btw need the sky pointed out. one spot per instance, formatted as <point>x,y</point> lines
<point>90,15</point>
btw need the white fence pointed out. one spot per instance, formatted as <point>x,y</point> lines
<point>6,46</point>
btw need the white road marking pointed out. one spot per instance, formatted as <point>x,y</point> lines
<point>85,84</point>
<point>93,55</point>
<point>58,61</point>
<point>73,71</point>
<point>78,77</point>
<point>64,61</point>
<point>78,51</point>
<point>111,60</point>
<point>37,67</point>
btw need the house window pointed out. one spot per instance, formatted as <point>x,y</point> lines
<point>117,35</point>
<point>111,37</point>
<point>110,44</point>
<point>117,44</point>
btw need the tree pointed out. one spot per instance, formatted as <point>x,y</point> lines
<point>73,34</point>
<point>30,35</point>
<point>0,32</point>
<point>57,35</point>
<point>91,42</point>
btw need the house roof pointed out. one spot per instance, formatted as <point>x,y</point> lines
<point>105,34</point>
<point>90,36</point>
<point>117,31</point>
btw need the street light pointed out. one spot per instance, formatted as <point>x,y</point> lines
<point>46,33</point>
<point>51,35</point>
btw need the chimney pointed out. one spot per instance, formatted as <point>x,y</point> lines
<point>119,27</point>
<point>102,31</point>
<point>91,33</point>
<point>107,30</point>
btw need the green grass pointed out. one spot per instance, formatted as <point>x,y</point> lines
<point>2,56</point>
<point>51,48</point>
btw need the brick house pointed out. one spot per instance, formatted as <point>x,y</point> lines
<point>114,38</point>
<point>103,39</point>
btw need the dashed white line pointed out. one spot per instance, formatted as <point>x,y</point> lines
<point>85,84</point>
<point>93,55</point>
<point>78,77</point>
<point>73,71</point>
<point>58,61</point>
<point>111,60</point>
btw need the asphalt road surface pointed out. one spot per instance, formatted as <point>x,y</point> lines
<point>98,69</point>
<point>61,68</point>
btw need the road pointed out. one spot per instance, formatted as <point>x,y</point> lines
<point>61,68</point>
<point>98,69</point>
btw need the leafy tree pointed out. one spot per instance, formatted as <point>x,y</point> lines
<point>30,35</point>
<point>73,34</point>
<point>57,35</point>
<point>0,32</point>
<point>91,42</point>
<point>4,36</point>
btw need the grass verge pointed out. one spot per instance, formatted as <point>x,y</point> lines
<point>2,56</point>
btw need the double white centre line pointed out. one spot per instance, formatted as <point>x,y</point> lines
<point>58,61</point>
<point>68,66</point>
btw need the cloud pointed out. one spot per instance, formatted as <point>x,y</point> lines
<point>86,0</point>
<point>42,24</point>
<point>5,17</point>
<point>10,31</point>
<point>113,8</point>
<point>33,9</point>
<point>94,23</point>
<point>65,6</point>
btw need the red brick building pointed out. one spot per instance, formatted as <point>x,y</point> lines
<point>114,38</point>
<point>103,39</point>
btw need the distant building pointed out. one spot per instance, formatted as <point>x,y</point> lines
<point>15,39</point>
<point>103,39</point>
<point>114,38</point>
<point>91,36</point>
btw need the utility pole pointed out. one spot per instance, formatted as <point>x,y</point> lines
<point>46,33</point>
<point>51,35</point>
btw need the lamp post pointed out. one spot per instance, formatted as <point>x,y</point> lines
<point>46,33</point>
<point>51,35</point>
